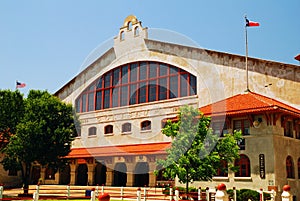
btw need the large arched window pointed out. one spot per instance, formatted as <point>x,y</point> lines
<point>134,83</point>
<point>290,171</point>
<point>244,166</point>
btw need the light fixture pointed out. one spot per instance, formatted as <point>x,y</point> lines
<point>257,123</point>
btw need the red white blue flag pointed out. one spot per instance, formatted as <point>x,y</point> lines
<point>20,85</point>
<point>251,23</point>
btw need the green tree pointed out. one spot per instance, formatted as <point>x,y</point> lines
<point>11,111</point>
<point>43,135</point>
<point>196,153</point>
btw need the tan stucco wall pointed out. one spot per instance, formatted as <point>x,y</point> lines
<point>219,76</point>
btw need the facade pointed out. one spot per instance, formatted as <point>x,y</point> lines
<point>124,97</point>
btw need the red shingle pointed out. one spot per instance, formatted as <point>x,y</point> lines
<point>120,150</point>
<point>248,102</point>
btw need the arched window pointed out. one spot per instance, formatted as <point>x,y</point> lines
<point>129,25</point>
<point>146,125</point>
<point>92,131</point>
<point>122,35</point>
<point>136,31</point>
<point>244,166</point>
<point>290,171</point>
<point>109,129</point>
<point>126,128</point>
<point>135,83</point>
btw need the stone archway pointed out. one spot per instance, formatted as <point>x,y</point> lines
<point>141,174</point>
<point>100,174</point>
<point>120,175</point>
<point>82,175</point>
<point>65,175</point>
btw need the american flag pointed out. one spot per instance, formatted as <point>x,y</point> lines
<point>20,85</point>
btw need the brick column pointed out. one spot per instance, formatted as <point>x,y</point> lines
<point>109,177</point>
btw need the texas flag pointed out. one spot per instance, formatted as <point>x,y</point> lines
<point>20,85</point>
<point>251,23</point>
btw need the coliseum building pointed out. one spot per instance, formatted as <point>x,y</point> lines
<point>124,97</point>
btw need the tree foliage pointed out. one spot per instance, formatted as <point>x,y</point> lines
<point>43,135</point>
<point>11,111</point>
<point>196,153</point>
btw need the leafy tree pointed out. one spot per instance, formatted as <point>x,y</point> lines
<point>43,135</point>
<point>11,111</point>
<point>196,153</point>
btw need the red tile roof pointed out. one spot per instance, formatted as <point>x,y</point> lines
<point>120,150</point>
<point>248,102</point>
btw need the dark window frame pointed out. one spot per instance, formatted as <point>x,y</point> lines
<point>290,170</point>
<point>288,128</point>
<point>245,126</point>
<point>146,125</point>
<point>106,92</point>
<point>221,127</point>
<point>92,131</point>
<point>244,166</point>
<point>126,127</point>
<point>108,129</point>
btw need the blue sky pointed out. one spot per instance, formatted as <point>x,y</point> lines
<point>45,42</point>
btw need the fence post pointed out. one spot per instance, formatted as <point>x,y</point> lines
<point>234,194</point>
<point>286,195</point>
<point>138,193</point>
<point>68,191</point>
<point>122,192</point>
<point>207,193</point>
<point>221,194</point>
<point>171,193</point>
<point>273,194</point>
<point>176,194</point>
<point>261,194</point>
<point>93,195</point>
<point>145,193</point>
<point>199,193</point>
<point>1,192</point>
<point>97,190</point>
<point>36,193</point>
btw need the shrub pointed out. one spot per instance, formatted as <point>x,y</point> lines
<point>247,194</point>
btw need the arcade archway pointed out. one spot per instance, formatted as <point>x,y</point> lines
<point>141,174</point>
<point>119,175</point>
<point>100,174</point>
<point>64,175</point>
<point>82,176</point>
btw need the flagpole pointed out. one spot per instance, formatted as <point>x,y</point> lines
<point>246,58</point>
